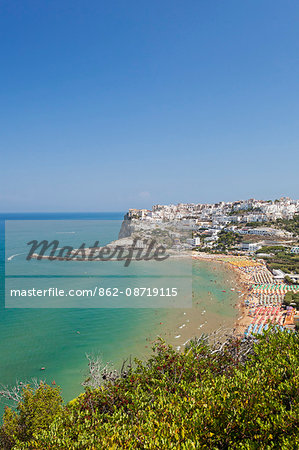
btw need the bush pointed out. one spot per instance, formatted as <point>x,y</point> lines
<point>34,413</point>
<point>237,395</point>
<point>288,280</point>
<point>291,297</point>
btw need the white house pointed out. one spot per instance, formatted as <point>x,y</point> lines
<point>250,246</point>
<point>194,241</point>
<point>243,231</point>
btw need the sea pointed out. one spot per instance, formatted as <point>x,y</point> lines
<point>53,343</point>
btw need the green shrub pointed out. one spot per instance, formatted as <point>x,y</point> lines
<point>243,395</point>
<point>34,413</point>
<point>291,297</point>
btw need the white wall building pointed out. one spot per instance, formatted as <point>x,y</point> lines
<point>193,241</point>
<point>249,246</point>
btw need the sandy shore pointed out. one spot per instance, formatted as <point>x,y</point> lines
<point>243,285</point>
<point>217,306</point>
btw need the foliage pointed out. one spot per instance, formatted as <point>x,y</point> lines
<point>281,258</point>
<point>271,249</point>
<point>34,413</point>
<point>284,261</point>
<point>291,297</point>
<point>288,280</point>
<point>242,211</point>
<point>227,240</point>
<point>268,223</point>
<point>237,395</point>
<point>291,225</point>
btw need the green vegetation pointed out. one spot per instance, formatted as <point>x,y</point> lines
<point>239,395</point>
<point>227,240</point>
<point>282,259</point>
<point>35,412</point>
<point>288,280</point>
<point>271,249</point>
<point>291,297</point>
<point>260,224</point>
<point>238,212</point>
<point>291,225</point>
<point>285,261</point>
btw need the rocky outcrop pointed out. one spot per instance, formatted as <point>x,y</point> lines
<point>126,229</point>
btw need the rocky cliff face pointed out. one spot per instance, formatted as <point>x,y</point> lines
<point>126,229</point>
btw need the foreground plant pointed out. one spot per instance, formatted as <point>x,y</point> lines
<point>228,394</point>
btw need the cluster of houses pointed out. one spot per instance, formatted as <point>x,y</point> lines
<point>210,219</point>
<point>243,211</point>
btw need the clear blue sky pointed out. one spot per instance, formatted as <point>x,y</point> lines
<point>107,105</point>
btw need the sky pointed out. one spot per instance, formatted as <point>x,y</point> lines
<point>110,105</point>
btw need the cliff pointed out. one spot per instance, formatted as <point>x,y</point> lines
<point>126,229</point>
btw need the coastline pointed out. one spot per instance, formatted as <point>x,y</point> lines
<point>215,295</point>
<point>243,281</point>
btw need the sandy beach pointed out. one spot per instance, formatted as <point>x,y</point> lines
<point>216,293</point>
<point>243,281</point>
<point>261,295</point>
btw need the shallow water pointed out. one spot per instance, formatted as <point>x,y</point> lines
<point>59,339</point>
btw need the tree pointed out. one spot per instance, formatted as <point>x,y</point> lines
<point>288,280</point>
<point>35,411</point>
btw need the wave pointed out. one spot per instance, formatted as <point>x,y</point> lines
<point>13,256</point>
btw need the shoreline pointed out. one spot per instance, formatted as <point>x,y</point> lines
<point>214,307</point>
<point>243,281</point>
<point>261,300</point>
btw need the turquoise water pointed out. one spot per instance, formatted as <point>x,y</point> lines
<point>58,339</point>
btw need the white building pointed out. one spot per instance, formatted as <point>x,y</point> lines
<point>193,241</point>
<point>249,246</point>
<point>278,274</point>
<point>261,231</point>
<point>243,231</point>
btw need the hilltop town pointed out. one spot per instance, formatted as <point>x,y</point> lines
<point>245,211</point>
<point>257,238</point>
<point>244,226</point>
